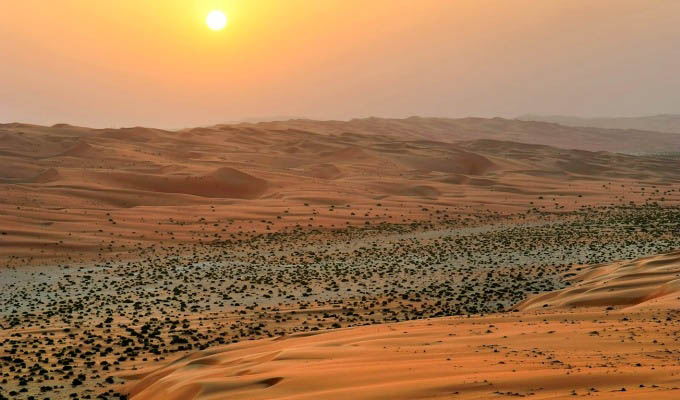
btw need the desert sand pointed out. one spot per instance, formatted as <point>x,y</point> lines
<point>373,258</point>
<point>83,191</point>
<point>577,348</point>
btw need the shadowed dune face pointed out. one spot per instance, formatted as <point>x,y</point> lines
<point>50,175</point>
<point>416,191</point>
<point>455,162</point>
<point>222,183</point>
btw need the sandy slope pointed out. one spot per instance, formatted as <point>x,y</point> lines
<point>627,353</point>
<point>464,129</point>
<point>653,279</point>
<point>79,192</point>
<point>67,188</point>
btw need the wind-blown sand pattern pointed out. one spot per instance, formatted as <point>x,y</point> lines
<point>593,354</point>
<point>648,280</point>
<point>287,259</point>
<point>619,354</point>
<point>152,250</point>
<point>68,188</point>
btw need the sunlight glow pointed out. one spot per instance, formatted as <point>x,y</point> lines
<point>216,20</point>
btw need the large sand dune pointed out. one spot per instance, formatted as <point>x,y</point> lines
<point>463,129</point>
<point>253,171</point>
<point>653,279</point>
<point>557,354</point>
<point>224,182</point>
<point>235,161</point>
<point>124,249</point>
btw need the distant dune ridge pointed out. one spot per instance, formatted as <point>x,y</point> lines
<point>465,129</point>
<point>79,191</point>
<point>659,123</point>
<point>412,157</point>
<point>67,176</point>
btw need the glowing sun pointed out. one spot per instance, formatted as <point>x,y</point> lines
<point>216,20</point>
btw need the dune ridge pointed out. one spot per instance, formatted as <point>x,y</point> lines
<point>222,183</point>
<point>235,161</point>
<point>246,171</point>
<point>230,234</point>
<point>659,123</point>
<point>470,358</point>
<point>450,130</point>
<point>622,284</point>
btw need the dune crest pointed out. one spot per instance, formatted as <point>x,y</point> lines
<point>544,355</point>
<point>465,129</point>
<point>627,283</point>
<point>363,160</point>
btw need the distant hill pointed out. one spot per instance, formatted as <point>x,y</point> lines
<point>466,129</point>
<point>668,123</point>
<point>361,159</point>
<point>56,180</point>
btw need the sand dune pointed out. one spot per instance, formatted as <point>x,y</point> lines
<point>542,355</point>
<point>658,123</point>
<point>26,145</point>
<point>137,134</point>
<point>619,284</point>
<point>466,129</point>
<point>50,175</point>
<point>455,162</point>
<point>398,189</point>
<point>81,149</point>
<point>404,163</point>
<point>345,155</point>
<point>184,162</point>
<point>324,171</point>
<point>222,183</point>
<point>224,234</point>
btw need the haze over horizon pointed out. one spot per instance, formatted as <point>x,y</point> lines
<point>339,199</point>
<point>156,64</point>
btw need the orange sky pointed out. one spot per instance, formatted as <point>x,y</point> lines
<point>155,63</point>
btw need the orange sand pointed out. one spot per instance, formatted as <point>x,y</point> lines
<point>629,353</point>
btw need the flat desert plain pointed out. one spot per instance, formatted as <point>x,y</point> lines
<point>366,259</point>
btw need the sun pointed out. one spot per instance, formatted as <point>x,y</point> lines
<point>216,20</point>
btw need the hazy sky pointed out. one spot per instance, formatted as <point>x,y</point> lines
<point>155,63</point>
